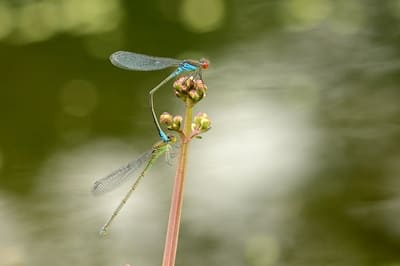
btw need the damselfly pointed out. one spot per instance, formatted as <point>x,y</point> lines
<point>120,175</point>
<point>140,62</point>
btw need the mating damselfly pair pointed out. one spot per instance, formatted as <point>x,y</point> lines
<point>140,62</point>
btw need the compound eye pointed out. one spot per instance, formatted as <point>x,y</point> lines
<point>204,63</point>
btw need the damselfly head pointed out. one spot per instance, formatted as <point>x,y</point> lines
<point>171,138</point>
<point>204,63</point>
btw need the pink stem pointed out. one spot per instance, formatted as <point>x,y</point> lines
<point>171,241</point>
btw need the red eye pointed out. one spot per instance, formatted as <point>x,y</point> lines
<point>204,63</point>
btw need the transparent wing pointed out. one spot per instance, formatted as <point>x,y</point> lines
<point>134,61</point>
<point>172,153</point>
<point>120,175</point>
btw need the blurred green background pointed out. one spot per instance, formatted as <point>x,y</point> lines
<point>301,166</point>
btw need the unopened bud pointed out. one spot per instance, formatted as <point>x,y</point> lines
<point>190,87</point>
<point>176,123</point>
<point>201,123</point>
<point>166,119</point>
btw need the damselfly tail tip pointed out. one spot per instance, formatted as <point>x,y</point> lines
<point>113,59</point>
<point>112,56</point>
<point>103,232</point>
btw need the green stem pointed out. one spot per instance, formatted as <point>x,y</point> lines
<point>171,241</point>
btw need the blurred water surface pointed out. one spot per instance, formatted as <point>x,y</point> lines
<point>301,166</point>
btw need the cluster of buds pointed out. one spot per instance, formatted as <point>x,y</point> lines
<point>190,88</point>
<point>171,122</point>
<point>201,123</point>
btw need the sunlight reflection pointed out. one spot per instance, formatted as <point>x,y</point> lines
<point>91,16</point>
<point>203,16</point>
<point>262,250</point>
<point>36,21</point>
<point>6,20</point>
<point>39,21</point>
<point>262,147</point>
<point>11,231</point>
<point>271,139</point>
<point>301,14</point>
<point>66,179</point>
<point>348,18</point>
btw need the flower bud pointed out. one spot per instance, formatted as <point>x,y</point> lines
<point>176,123</point>
<point>194,95</point>
<point>201,123</point>
<point>166,119</point>
<point>190,87</point>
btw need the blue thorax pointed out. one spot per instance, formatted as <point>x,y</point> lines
<point>183,67</point>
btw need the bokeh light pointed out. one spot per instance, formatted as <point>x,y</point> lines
<point>262,251</point>
<point>6,20</point>
<point>35,21</point>
<point>203,16</point>
<point>300,14</point>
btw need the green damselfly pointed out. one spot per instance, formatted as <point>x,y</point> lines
<point>120,175</point>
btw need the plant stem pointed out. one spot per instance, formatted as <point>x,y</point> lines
<point>171,241</point>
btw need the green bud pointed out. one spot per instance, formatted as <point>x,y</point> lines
<point>176,123</point>
<point>201,123</point>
